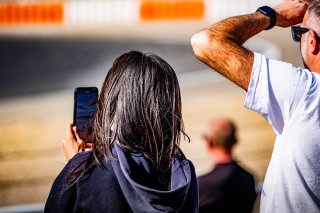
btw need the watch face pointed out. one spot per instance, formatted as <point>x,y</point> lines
<point>266,10</point>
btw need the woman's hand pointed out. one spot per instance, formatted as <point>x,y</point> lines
<point>73,144</point>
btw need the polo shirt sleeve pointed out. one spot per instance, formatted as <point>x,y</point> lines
<point>275,90</point>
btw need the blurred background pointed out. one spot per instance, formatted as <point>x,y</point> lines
<point>47,48</point>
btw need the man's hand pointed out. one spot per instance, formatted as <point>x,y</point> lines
<point>73,144</point>
<point>290,12</point>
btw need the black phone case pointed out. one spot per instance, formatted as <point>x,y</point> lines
<point>81,90</point>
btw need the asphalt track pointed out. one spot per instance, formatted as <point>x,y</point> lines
<point>32,66</point>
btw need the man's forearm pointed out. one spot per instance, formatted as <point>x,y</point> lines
<point>219,46</point>
<point>239,29</point>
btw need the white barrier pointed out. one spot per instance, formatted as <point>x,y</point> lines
<point>101,12</point>
<point>124,12</point>
<point>220,9</point>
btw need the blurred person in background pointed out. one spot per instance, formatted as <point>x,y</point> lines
<point>228,187</point>
<point>135,164</point>
<point>287,97</point>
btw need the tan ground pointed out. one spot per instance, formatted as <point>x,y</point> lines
<point>30,146</point>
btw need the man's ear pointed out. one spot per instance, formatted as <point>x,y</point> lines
<point>208,141</point>
<point>211,144</point>
<point>313,42</point>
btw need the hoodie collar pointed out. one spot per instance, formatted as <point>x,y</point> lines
<point>138,181</point>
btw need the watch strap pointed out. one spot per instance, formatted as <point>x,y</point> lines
<point>268,11</point>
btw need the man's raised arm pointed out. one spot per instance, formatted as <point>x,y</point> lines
<point>220,45</point>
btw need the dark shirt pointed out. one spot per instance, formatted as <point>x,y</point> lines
<point>227,188</point>
<point>126,184</point>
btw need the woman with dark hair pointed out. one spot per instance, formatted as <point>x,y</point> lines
<point>135,164</point>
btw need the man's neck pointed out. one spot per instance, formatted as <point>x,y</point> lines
<point>316,67</point>
<point>220,156</point>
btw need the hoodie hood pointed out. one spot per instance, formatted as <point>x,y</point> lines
<point>138,181</point>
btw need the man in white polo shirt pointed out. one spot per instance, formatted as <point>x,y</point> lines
<point>286,96</point>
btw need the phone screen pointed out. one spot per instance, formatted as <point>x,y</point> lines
<point>85,108</point>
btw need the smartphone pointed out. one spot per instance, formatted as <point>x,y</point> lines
<point>85,106</point>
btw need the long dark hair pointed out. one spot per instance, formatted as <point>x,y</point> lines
<point>139,107</point>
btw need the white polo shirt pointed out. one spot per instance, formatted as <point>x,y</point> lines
<point>289,99</point>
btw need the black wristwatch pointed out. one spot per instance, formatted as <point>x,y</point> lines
<point>268,11</point>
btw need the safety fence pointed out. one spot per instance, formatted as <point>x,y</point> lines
<point>31,13</point>
<point>170,10</point>
<point>105,12</point>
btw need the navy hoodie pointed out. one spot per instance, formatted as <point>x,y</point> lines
<point>128,183</point>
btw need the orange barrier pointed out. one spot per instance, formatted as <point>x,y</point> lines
<point>33,13</point>
<point>171,9</point>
